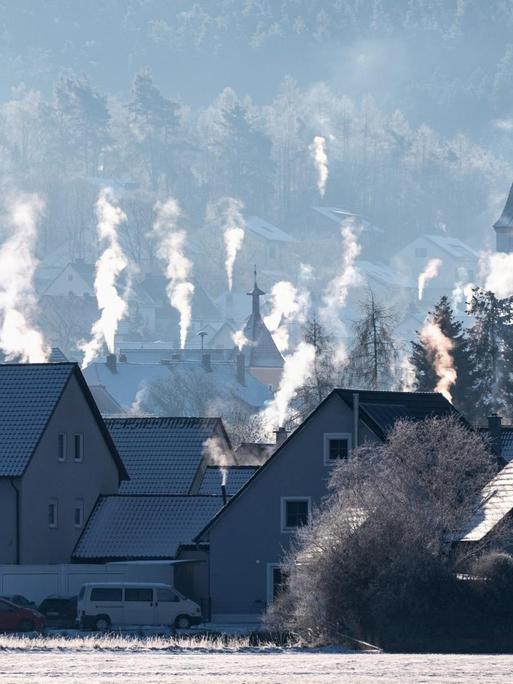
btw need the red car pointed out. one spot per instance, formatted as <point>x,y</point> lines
<point>15,618</point>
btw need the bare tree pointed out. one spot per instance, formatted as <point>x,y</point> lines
<point>378,557</point>
<point>374,353</point>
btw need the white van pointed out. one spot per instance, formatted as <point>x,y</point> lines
<point>102,604</point>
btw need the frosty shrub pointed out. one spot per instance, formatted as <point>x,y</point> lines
<point>376,563</point>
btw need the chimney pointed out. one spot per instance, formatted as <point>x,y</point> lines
<point>495,430</point>
<point>223,494</point>
<point>111,363</point>
<point>241,368</point>
<point>356,418</point>
<point>281,435</point>
<point>205,362</point>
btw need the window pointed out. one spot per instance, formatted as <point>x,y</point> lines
<point>337,445</point>
<point>166,595</point>
<point>61,446</point>
<point>78,446</point>
<point>106,594</point>
<point>295,513</point>
<point>276,581</point>
<point>52,513</point>
<point>139,594</point>
<point>78,513</point>
<point>420,252</point>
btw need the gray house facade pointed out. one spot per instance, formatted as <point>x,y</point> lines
<point>56,458</point>
<point>248,537</point>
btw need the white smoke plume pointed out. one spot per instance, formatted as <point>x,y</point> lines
<point>441,347</point>
<point>217,454</point>
<point>170,249</point>
<point>298,366</point>
<point>111,263</point>
<point>19,338</point>
<point>496,268</point>
<point>462,291</point>
<point>406,374</point>
<point>289,305</point>
<point>240,340</point>
<point>227,212</point>
<point>335,296</point>
<point>320,159</point>
<point>431,271</point>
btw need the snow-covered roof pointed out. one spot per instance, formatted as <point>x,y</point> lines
<point>144,527</point>
<point>384,274</point>
<point>128,379</point>
<point>453,246</point>
<point>267,230</point>
<point>339,216</point>
<point>162,455</point>
<point>237,476</point>
<point>261,351</point>
<point>106,403</point>
<point>496,502</point>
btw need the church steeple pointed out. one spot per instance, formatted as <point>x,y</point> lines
<point>256,293</point>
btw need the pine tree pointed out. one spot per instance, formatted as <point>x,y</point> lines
<point>373,355</point>
<point>491,344</point>
<point>422,358</point>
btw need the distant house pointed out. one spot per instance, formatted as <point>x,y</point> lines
<point>504,226</point>
<point>56,458</point>
<point>268,245</point>
<point>247,538</point>
<point>459,263</point>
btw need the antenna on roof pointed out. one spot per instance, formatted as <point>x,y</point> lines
<point>202,334</point>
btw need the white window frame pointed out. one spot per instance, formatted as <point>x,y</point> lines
<point>78,505</point>
<point>64,436</point>
<point>81,438</point>
<point>55,504</point>
<point>283,515</point>
<point>336,435</point>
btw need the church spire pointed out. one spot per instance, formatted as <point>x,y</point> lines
<point>256,293</point>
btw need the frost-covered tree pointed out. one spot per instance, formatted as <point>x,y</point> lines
<point>377,556</point>
<point>324,376</point>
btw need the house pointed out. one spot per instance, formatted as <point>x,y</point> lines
<point>263,359</point>
<point>248,537</point>
<point>267,244</point>
<point>459,263</point>
<point>504,226</point>
<point>56,458</point>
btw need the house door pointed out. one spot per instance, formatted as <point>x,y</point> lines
<point>139,606</point>
<point>276,582</point>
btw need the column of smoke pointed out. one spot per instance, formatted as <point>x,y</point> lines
<point>431,271</point>
<point>170,250</point>
<point>335,296</point>
<point>227,212</point>
<point>19,339</point>
<point>405,373</point>
<point>216,454</point>
<point>297,368</point>
<point>240,340</point>
<point>441,347</point>
<point>289,305</point>
<point>496,268</point>
<point>320,159</point>
<point>462,290</point>
<point>112,262</point>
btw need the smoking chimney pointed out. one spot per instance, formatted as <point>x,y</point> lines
<point>112,363</point>
<point>205,362</point>
<point>241,369</point>
<point>495,430</point>
<point>223,494</point>
<point>281,435</point>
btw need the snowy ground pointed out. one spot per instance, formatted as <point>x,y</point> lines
<point>159,661</point>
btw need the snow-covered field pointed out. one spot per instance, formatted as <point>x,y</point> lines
<point>114,661</point>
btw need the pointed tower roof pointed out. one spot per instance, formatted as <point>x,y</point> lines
<point>506,218</point>
<point>261,350</point>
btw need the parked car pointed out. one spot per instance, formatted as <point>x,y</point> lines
<point>20,600</point>
<point>15,618</point>
<point>101,605</point>
<point>60,611</point>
